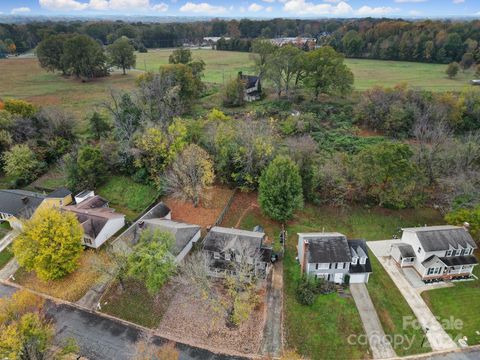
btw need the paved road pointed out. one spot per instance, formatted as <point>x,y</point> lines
<point>272,333</point>
<point>101,338</point>
<point>379,344</point>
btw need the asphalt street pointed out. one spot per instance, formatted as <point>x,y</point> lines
<point>101,338</point>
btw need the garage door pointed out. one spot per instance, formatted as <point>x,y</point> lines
<point>358,278</point>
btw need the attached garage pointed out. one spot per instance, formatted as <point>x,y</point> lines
<point>359,278</point>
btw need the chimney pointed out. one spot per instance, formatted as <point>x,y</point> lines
<point>303,261</point>
<point>466,226</point>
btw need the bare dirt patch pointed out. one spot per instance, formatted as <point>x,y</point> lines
<point>189,320</point>
<point>206,213</point>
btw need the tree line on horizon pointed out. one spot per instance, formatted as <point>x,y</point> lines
<point>439,41</point>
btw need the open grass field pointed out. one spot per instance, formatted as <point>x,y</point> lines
<point>5,256</point>
<point>460,302</point>
<point>127,196</point>
<point>320,331</point>
<point>223,65</point>
<point>23,78</point>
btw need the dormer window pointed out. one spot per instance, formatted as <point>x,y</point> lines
<point>419,250</point>
<point>354,260</point>
<point>467,251</point>
<point>216,255</point>
<point>363,260</point>
<point>228,256</point>
<point>458,252</point>
<point>448,253</point>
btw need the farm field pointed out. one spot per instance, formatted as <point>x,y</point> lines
<point>330,328</point>
<point>23,78</point>
<point>222,65</point>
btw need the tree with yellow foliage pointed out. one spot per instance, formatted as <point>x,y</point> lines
<point>190,174</point>
<point>25,332</point>
<point>50,243</point>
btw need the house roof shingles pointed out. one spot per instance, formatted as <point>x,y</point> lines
<point>59,193</point>
<point>442,238</point>
<point>19,203</point>
<point>360,247</point>
<point>406,250</point>
<point>219,238</point>
<point>327,247</point>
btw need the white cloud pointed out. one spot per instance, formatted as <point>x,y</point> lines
<point>333,1</point>
<point>255,7</point>
<point>409,1</point>
<point>302,7</point>
<point>162,7</point>
<point>415,12</point>
<point>202,8</point>
<point>21,10</point>
<point>376,11</point>
<point>458,1</point>
<point>101,5</point>
<point>269,1</point>
<point>269,9</point>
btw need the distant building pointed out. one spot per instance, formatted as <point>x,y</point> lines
<point>212,40</point>
<point>253,87</point>
<point>332,257</point>
<point>19,205</point>
<point>306,43</point>
<point>99,221</point>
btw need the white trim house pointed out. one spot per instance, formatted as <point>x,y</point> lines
<point>436,252</point>
<point>332,257</point>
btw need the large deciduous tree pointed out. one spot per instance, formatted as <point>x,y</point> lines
<point>50,243</point>
<point>86,168</point>
<point>190,174</point>
<point>122,54</point>
<point>84,57</point>
<point>20,162</point>
<point>50,53</point>
<point>280,189</point>
<point>327,72</point>
<point>385,173</point>
<point>285,68</point>
<point>151,260</point>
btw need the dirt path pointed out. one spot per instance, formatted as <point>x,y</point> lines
<point>272,332</point>
<point>253,205</point>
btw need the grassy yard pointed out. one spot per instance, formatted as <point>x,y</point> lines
<point>127,196</point>
<point>458,302</point>
<point>24,79</point>
<point>5,256</point>
<point>135,304</point>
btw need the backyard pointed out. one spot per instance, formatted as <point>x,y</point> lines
<point>460,302</point>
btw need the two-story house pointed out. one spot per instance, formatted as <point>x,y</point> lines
<point>332,257</point>
<point>436,252</point>
<point>225,248</point>
<point>17,206</point>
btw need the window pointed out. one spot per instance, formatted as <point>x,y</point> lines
<point>216,255</point>
<point>227,256</point>
<point>468,251</point>
<point>419,250</point>
<point>87,241</point>
<point>340,266</point>
<point>316,266</point>
<point>363,260</point>
<point>458,252</point>
<point>448,253</point>
<point>354,260</point>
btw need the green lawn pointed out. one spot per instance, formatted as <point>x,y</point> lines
<point>5,256</point>
<point>135,304</point>
<point>460,302</point>
<point>220,65</point>
<point>369,73</point>
<point>391,308</point>
<point>126,196</point>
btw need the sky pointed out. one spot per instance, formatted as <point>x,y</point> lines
<point>246,8</point>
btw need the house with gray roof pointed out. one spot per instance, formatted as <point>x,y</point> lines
<point>19,205</point>
<point>185,235</point>
<point>331,256</point>
<point>225,248</point>
<point>436,252</point>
